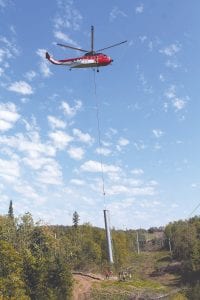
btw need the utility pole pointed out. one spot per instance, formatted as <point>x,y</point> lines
<point>108,236</point>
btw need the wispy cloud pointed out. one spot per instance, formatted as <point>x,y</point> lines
<point>43,64</point>
<point>67,16</point>
<point>82,137</point>
<point>140,145</point>
<point>21,87</point>
<point>178,103</point>
<point>9,170</point>
<point>77,182</point>
<point>131,191</point>
<point>115,13</point>
<point>122,142</point>
<point>60,139</point>
<point>51,174</point>
<point>76,153</point>
<point>157,133</point>
<point>69,110</point>
<point>103,151</point>
<point>65,38</point>
<point>8,116</point>
<point>137,172</point>
<point>171,49</point>
<point>8,49</point>
<point>95,167</point>
<point>139,9</point>
<point>56,123</point>
<point>30,75</point>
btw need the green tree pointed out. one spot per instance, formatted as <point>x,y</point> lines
<point>75,219</point>
<point>10,210</point>
<point>11,281</point>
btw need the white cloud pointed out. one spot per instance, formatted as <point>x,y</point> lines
<point>140,145</point>
<point>21,87</point>
<point>78,182</point>
<point>29,145</point>
<point>171,92</point>
<point>4,53</point>
<point>37,162</point>
<point>76,152</point>
<point>30,75</point>
<point>139,9</point>
<point>172,64</point>
<point>95,167</point>
<point>178,103</point>
<point>8,51</point>
<point>65,38</point>
<point>123,142</point>
<point>71,111</point>
<point>26,190</point>
<point>137,172</point>
<point>44,64</point>
<point>116,12</point>
<point>9,170</point>
<point>103,151</point>
<point>60,139</point>
<point>67,16</point>
<point>157,133</point>
<point>111,132</point>
<point>51,174</point>
<point>56,123</point>
<point>1,71</point>
<point>131,191</point>
<point>8,116</point>
<point>83,137</point>
<point>171,49</point>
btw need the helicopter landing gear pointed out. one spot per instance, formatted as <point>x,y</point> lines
<point>97,70</point>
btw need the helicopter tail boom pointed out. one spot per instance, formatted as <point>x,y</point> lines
<point>55,61</point>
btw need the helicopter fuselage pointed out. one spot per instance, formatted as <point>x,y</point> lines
<point>89,60</point>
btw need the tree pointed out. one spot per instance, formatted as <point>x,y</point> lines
<point>10,210</point>
<point>12,285</point>
<point>75,219</point>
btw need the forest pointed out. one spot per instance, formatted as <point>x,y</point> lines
<point>37,260</point>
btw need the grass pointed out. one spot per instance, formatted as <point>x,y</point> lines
<point>123,290</point>
<point>142,282</point>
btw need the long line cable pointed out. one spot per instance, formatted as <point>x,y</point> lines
<point>194,210</point>
<point>99,137</point>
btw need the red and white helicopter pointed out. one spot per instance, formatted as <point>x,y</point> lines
<point>91,58</point>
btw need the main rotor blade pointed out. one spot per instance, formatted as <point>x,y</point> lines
<point>92,38</point>
<point>74,48</point>
<point>111,46</point>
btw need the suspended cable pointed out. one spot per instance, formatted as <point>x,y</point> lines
<point>194,210</point>
<point>99,136</point>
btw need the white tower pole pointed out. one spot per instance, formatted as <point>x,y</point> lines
<point>108,236</point>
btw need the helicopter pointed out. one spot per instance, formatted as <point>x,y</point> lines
<point>91,58</point>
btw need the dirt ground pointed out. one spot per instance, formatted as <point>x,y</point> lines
<point>82,286</point>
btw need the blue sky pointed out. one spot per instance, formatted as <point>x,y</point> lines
<point>148,110</point>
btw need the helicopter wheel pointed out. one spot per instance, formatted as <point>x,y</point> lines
<point>97,70</point>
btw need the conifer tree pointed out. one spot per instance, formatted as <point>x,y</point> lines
<point>10,210</point>
<point>75,219</point>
